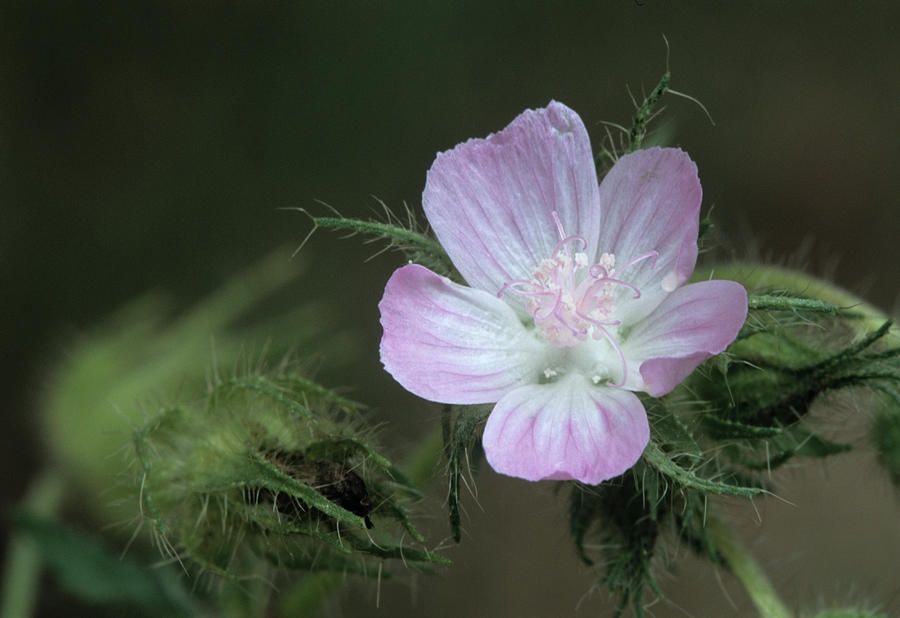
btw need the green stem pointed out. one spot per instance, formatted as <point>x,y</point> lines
<point>746,569</point>
<point>22,570</point>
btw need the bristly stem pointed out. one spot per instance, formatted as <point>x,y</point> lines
<point>747,570</point>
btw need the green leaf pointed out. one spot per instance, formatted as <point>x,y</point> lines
<point>92,573</point>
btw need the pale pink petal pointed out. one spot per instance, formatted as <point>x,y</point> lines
<point>568,429</point>
<point>692,324</point>
<point>650,201</point>
<point>449,343</point>
<point>490,201</point>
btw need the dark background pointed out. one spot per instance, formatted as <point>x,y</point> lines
<point>151,145</point>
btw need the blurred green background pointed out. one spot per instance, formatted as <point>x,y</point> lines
<point>152,145</point>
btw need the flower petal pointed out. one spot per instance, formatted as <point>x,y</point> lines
<point>569,429</point>
<point>449,343</point>
<point>693,323</point>
<point>490,201</point>
<point>650,201</point>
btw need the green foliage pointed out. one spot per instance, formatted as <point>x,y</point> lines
<point>627,519</point>
<point>665,495</point>
<point>791,351</point>
<point>403,236</point>
<point>93,573</point>
<point>273,469</point>
<point>736,418</point>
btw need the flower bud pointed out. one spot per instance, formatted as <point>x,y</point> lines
<point>272,469</point>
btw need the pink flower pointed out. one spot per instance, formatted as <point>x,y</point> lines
<point>575,299</point>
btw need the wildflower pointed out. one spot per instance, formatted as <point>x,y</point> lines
<point>575,297</point>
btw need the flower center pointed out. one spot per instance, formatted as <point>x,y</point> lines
<point>571,301</point>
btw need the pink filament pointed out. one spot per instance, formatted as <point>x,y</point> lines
<point>642,257</point>
<point>561,276</point>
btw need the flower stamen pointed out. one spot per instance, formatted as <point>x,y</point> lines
<point>572,301</point>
